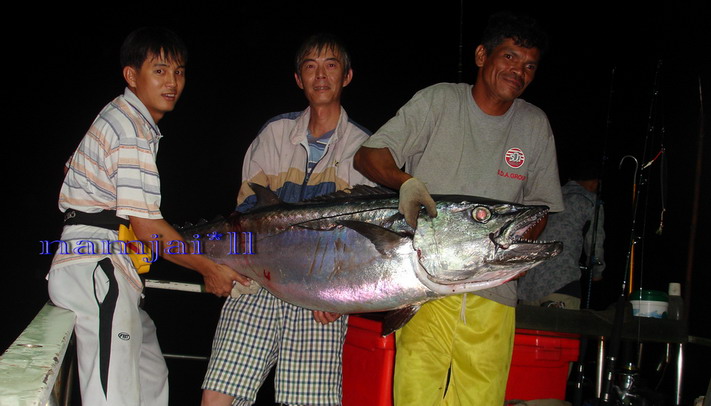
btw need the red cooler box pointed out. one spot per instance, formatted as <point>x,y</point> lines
<point>368,362</point>
<point>540,364</point>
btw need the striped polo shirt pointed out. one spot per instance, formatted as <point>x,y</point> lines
<point>113,168</point>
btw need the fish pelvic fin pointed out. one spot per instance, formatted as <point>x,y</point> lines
<point>385,241</point>
<point>395,319</point>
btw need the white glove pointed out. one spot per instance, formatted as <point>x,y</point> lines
<point>413,194</point>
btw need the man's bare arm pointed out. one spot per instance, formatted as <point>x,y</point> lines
<point>218,278</point>
<point>378,165</point>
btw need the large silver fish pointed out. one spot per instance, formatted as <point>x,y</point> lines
<point>352,252</point>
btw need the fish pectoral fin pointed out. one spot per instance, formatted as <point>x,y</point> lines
<point>385,241</point>
<point>395,319</point>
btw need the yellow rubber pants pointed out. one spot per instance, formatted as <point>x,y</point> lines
<point>477,350</point>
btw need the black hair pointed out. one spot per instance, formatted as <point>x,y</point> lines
<point>319,43</point>
<point>152,41</point>
<point>524,30</point>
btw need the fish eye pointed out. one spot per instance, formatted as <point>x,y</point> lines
<point>481,214</point>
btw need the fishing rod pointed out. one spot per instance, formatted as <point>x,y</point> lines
<point>616,335</point>
<point>591,258</point>
<point>636,241</point>
<point>695,202</point>
<point>659,157</point>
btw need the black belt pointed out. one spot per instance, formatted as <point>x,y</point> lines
<point>104,219</point>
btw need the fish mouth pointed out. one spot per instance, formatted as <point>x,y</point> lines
<point>515,232</point>
<point>513,245</point>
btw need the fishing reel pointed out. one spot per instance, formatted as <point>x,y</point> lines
<point>631,390</point>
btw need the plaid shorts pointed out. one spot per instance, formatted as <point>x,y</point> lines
<point>257,331</point>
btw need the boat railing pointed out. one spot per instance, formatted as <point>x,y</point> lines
<point>32,369</point>
<point>38,368</point>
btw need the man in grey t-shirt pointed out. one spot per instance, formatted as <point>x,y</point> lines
<point>477,140</point>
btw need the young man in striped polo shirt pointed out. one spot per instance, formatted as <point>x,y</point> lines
<point>112,178</point>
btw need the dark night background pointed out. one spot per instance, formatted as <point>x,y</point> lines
<point>62,68</point>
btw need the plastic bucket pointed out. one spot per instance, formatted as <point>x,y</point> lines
<point>650,303</point>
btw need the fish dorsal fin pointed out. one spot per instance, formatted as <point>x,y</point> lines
<point>385,241</point>
<point>395,319</point>
<point>355,191</point>
<point>265,197</point>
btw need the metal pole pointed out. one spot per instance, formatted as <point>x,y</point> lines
<point>679,373</point>
<point>600,366</point>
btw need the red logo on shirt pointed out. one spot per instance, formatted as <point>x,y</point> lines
<point>515,157</point>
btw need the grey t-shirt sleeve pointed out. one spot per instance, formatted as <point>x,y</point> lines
<point>543,186</point>
<point>407,133</point>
